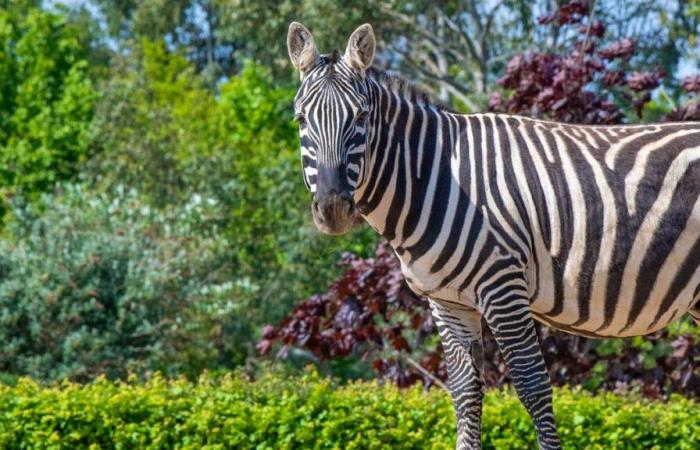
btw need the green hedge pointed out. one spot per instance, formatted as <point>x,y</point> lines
<point>312,412</point>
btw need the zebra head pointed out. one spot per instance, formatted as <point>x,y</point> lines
<point>331,108</point>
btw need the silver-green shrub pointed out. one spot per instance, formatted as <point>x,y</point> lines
<point>91,283</point>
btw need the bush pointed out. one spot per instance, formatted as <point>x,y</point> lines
<point>311,412</point>
<point>589,80</point>
<point>96,284</point>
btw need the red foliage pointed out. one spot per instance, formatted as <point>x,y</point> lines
<point>563,86</point>
<point>691,109</point>
<point>368,311</point>
<point>556,87</point>
<point>572,12</point>
<point>613,78</point>
<point>691,83</point>
<point>643,81</point>
<point>624,48</point>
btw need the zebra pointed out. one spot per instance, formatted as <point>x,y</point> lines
<point>594,230</point>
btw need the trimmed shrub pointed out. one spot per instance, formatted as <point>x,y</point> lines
<point>312,412</point>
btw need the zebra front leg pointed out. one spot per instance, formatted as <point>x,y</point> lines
<point>460,332</point>
<point>507,313</point>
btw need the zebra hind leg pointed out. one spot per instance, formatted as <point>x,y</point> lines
<point>509,318</point>
<point>460,333</point>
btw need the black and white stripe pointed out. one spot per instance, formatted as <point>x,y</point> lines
<point>332,118</point>
<point>591,229</point>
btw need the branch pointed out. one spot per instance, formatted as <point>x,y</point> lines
<point>429,37</point>
<point>471,9</point>
<point>422,370</point>
<point>462,35</point>
<point>455,89</point>
<point>591,17</point>
<point>664,94</point>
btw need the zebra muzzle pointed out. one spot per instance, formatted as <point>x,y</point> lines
<point>334,213</point>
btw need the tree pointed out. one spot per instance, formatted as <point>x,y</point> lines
<point>586,83</point>
<point>258,30</point>
<point>455,49</point>
<point>589,80</point>
<point>450,47</point>
<point>190,26</point>
<point>683,27</point>
<point>47,99</point>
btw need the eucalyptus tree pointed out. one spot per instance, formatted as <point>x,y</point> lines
<point>456,49</point>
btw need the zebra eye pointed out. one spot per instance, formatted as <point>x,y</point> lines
<point>300,119</point>
<point>360,117</point>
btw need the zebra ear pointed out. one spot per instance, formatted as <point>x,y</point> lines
<point>361,47</point>
<point>301,47</point>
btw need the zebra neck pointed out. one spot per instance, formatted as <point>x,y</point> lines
<point>409,152</point>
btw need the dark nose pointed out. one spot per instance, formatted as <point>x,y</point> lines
<point>330,206</point>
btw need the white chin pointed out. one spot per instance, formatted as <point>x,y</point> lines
<point>335,229</point>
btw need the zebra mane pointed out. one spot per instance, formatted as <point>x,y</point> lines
<point>331,58</point>
<point>406,89</point>
<point>394,83</point>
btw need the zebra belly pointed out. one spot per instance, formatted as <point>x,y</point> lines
<point>569,322</point>
<point>669,294</point>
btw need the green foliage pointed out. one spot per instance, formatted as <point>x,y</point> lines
<point>99,284</point>
<point>683,26</point>
<point>605,421</point>
<point>164,133</point>
<point>46,98</point>
<point>151,18</point>
<point>259,29</point>
<point>156,123</point>
<point>311,412</point>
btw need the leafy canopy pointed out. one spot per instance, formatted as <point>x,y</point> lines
<point>46,99</point>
